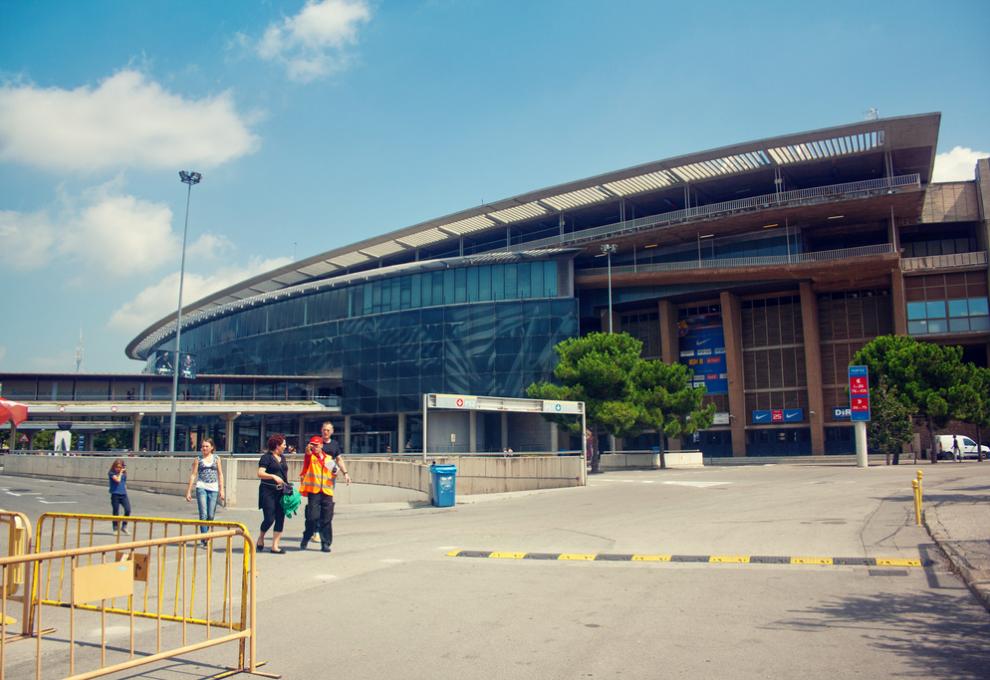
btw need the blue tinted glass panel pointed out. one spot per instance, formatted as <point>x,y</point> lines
<point>937,326</point>
<point>978,307</point>
<point>396,294</point>
<point>511,287</point>
<point>460,285</point>
<point>917,327</point>
<point>958,308</point>
<point>935,309</point>
<point>536,279</point>
<point>958,325</point>
<point>916,310</point>
<point>523,281</point>
<point>416,296</point>
<point>472,284</point>
<point>979,323</point>
<point>550,278</point>
<point>485,283</point>
<point>437,278</point>
<point>449,287</point>
<point>498,282</point>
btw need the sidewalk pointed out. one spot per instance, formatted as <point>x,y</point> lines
<point>957,515</point>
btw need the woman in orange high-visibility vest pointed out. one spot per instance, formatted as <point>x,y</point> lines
<point>317,481</point>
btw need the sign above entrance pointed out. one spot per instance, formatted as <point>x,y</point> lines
<point>458,401</point>
<point>550,406</point>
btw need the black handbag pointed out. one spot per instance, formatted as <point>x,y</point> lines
<point>287,489</point>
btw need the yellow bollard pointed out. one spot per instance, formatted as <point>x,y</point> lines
<point>917,501</point>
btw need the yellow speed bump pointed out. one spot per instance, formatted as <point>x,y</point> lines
<point>824,561</point>
<point>587,557</point>
<point>896,562</point>
<point>728,559</point>
<point>508,555</point>
<point>454,553</point>
<point>651,558</point>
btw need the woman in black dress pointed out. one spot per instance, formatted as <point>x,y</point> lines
<point>272,470</point>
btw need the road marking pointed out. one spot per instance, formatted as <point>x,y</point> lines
<point>42,500</point>
<point>699,559</point>
<point>700,485</point>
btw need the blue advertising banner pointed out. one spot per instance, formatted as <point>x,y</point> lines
<point>702,348</point>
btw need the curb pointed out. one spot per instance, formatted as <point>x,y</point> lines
<point>977,580</point>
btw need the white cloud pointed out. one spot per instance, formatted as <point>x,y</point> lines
<point>959,164</point>
<point>28,239</point>
<point>313,43</point>
<point>105,230</point>
<point>126,121</point>
<point>159,300</point>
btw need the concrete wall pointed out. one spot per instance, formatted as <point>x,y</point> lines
<point>159,474</point>
<point>375,479</point>
<point>651,461</point>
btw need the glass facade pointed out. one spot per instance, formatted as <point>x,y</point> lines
<point>948,316</point>
<point>487,329</point>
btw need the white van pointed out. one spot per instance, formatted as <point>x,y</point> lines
<point>967,447</point>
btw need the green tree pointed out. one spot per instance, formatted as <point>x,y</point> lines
<point>598,369</point>
<point>890,427</point>
<point>979,411</point>
<point>929,379</point>
<point>44,440</point>
<point>670,404</point>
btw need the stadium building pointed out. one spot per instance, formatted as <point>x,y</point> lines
<point>763,265</point>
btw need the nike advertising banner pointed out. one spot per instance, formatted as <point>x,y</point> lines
<point>702,348</point>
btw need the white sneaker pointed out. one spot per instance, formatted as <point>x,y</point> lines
<point>124,530</point>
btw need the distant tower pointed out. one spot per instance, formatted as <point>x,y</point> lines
<point>872,113</point>
<point>79,351</point>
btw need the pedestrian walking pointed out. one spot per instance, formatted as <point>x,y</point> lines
<point>956,453</point>
<point>318,478</point>
<point>207,478</point>
<point>591,452</point>
<point>118,492</point>
<point>272,471</point>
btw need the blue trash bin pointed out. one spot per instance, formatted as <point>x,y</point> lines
<point>444,485</point>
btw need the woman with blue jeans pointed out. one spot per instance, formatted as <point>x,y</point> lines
<point>207,478</point>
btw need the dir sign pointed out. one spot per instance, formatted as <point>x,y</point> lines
<point>859,393</point>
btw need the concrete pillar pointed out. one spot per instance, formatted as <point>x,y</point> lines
<point>898,302</point>
<point>229,431</point>
<point>347,434</point>
<point>670,350</point>
<point>472,431</point>
<point>301,433</point>
<point>505,431</point>
<point>813,368</point>
<point>136,438</point>
<point>614,443</point>
<point>670,347</point>
<point>401,445</point>
<point>554,438</point>
<point>262,433</point>
<point>732,329</point>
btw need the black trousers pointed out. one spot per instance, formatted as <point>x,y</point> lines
<point>319,517</point>
<point>270,500</point>
<point>118,501</point>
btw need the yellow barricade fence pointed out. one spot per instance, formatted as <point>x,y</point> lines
<point>17,584</point>
<point>67,531</point>
<point>100,576</point>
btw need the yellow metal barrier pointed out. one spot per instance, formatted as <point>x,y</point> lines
<point>67,531</point>
<point>14,586</point>
<point>99,575</point>
<point>918,497</point>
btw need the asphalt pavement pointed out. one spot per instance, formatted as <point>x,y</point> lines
<point>752,572</point>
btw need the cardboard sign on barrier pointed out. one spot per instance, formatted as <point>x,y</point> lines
<point>140,564</point>
<point>96,582</point>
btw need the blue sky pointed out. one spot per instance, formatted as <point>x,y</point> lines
<point>317,124</point>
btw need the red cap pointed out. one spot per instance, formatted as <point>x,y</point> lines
<point>316,439</point>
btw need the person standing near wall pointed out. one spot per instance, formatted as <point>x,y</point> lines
<point>118,492</point>
<point>331,447</point>
<point>207,477</point>
<point>272,471</point>
<point>318,478</point>
<point>591,452</point>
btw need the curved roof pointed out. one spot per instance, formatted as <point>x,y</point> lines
<point>915,132</point>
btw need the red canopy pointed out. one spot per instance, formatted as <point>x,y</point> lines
<point>13,411</point>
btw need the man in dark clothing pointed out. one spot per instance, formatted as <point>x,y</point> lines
<point>591,451</point>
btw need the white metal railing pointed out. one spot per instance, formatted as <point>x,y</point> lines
<point>974,259</point>
<point>762,261</point>
<point>798,197</point>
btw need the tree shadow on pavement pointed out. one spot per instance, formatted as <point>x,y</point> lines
<point>930,631</point>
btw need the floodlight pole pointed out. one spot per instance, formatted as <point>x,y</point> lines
<point>189,178</point>
<point>608,249</point>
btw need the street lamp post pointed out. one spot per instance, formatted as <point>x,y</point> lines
<point>188,178</point>
<point>609,249</point>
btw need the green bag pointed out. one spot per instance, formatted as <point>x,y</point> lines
<point>291,502</point>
